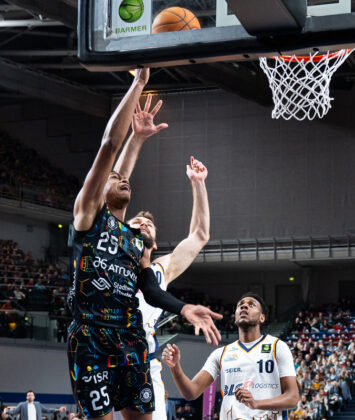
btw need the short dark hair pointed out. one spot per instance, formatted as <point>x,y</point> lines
<point>30,390</point>
<point>264,307</point>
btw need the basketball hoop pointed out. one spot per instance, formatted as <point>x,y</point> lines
<point>300,84</point>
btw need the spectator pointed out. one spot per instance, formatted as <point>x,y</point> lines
<point>31,409</point>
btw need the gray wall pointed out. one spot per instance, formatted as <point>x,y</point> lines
<point>45,370</point>
<point>266,178</point>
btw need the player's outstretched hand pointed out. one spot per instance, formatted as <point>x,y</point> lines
<point>202,319</point>
<point>143,121</point>
<point>245,397</point>
<point>196,171</point>
<point>171,355</point>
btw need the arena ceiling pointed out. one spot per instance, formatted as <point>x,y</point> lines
<point>38,43</point>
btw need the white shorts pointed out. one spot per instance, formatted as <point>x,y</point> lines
<point>159,393</point>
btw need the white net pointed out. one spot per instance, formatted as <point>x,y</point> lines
<point>300,85</point>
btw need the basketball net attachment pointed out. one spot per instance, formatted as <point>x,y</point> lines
<point>300,84</point>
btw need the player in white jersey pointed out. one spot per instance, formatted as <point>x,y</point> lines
<point>258,377</point>
<point>168,267</point>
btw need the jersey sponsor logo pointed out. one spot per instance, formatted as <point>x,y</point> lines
<point>230,390</point>
<point>248,384</point>
<point>259,385</point>
<point>112,223</point>
<point>101,283</point>
<point>266,348</point>
<point>233,370</point>
<point>85,265</point>
<point>96,378</point>
<point>230,358</point>
<point>123,290</point>
<point>145,395</point>
<point>114,268</point>
<point>138,243</point>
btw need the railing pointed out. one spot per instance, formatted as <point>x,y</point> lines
<point>33,196</point>
<point>273,249</point>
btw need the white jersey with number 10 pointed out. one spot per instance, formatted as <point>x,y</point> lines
<point>257,368</point>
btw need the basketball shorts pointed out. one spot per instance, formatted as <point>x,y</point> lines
<point>109,369</point>
<point>159,393</point>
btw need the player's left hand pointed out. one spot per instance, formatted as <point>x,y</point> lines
<point>143,121</point>
<point>245,397</point>
<point>202,319</point>
<point>196,171</point>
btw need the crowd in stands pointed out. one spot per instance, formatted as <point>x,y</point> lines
<point>322,342</point>
<point>30,284</point>
<point>24,175</point>
<point>323,346</point>
<point>179,325</point>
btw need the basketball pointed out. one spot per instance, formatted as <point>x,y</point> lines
<point>131,10</point>
<point>175,19</point>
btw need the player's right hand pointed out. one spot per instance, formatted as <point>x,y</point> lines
<point>171,355</point>
<point>143,120</point>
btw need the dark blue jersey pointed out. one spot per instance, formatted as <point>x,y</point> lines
<point>104,269</point>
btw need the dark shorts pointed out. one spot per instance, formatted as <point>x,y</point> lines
<point>109,369</point>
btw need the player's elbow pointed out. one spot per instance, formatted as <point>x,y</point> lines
<point>204,237</point>
<point>293,399</point>
<point>201,237</point>
<point>190,394</point>
<point>110,144</point>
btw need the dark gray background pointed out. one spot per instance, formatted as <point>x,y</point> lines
<point>266,177</point>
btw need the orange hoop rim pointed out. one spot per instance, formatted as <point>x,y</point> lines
<point>314,58</point>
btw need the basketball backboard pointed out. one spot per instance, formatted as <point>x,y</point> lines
<point>107,42</point>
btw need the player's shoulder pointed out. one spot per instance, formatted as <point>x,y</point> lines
<point>217,353</point>
<point>277,341</point>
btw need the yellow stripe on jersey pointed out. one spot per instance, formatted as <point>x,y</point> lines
<point>162,269</point>
<point>220,365</point>
<point>220,362</point>
<point>274,348</point>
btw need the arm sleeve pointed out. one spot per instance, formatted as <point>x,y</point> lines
<point>155,296</point>
<point>212,365</point>
<point>15,411</point>
<point>284,360</point>
<point>48,410</point>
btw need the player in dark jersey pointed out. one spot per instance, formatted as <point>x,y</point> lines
<point>107,350</point>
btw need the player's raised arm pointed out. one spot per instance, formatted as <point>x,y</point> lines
<point>143,126</point>
<point>187,250</point>
<point>190,389</point>
<point>90,198</point>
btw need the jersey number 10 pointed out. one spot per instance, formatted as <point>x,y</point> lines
<point>268,365</point>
